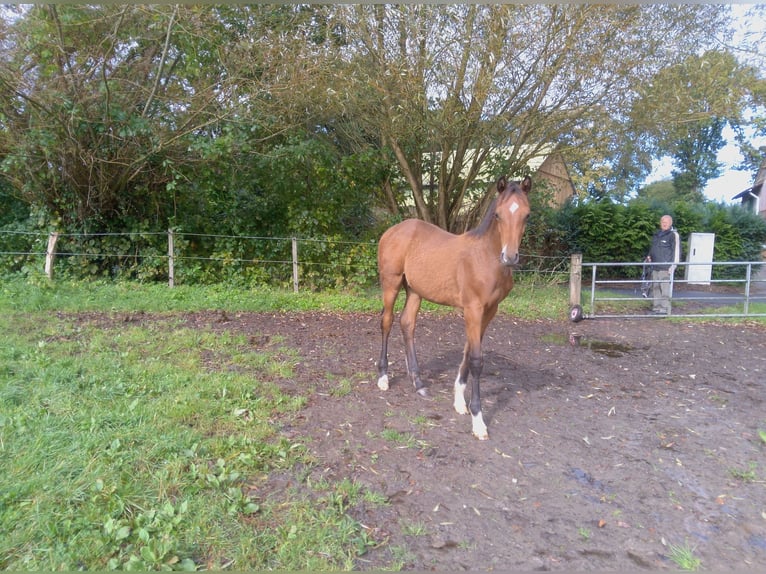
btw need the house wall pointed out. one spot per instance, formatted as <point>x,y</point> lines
<point>554,171</point>
<point>747,200</point>
<point>548,166</point>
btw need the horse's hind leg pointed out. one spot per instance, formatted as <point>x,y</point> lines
<point>408,320</point>
<point>390,293</point>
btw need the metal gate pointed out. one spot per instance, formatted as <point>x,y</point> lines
<point>595,296</point>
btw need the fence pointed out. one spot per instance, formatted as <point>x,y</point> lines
<point>627,298</point>
<point>173,255</point>
<point>291,260</point>
<point>120,252</point>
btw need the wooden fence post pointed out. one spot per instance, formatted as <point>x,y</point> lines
<point>50,253</point>
<point>295,265</point>
<point>171,261</point>
<point>575,279</point>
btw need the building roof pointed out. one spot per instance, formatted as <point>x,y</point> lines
<point>755,190</point>
<point>760,178</point>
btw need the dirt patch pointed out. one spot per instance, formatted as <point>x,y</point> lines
<point>611,441</point>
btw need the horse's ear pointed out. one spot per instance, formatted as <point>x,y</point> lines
<point>502,183</point>
<point>526,185</point>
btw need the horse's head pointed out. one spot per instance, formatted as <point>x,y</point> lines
<point>511,214</point>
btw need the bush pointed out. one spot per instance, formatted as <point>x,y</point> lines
<point>604,231</point>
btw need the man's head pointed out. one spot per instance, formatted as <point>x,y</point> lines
<point>666,222</point>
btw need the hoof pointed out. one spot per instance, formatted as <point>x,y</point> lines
<point>461,409</point>
<point>479,428</point>
<point>383,383</point>
<point>423,392</point>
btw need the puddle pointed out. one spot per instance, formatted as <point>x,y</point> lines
<point>756,541</point>
<point>585,479</point>
<point>596,490</point>
<point>608,348</point>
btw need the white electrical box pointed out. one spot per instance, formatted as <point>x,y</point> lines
<point>701,258</point>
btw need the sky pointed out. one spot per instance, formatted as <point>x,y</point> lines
<point>732,181</point>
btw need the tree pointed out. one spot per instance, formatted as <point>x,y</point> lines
<point>663,192</point>
<point>464,86</point>
<point>749,50</point>
<point>696,159</point>
<point>117,112</point>
<point>683,110</point>
<point>102,106</point>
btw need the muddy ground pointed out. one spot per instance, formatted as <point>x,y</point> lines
<point>612,441</point>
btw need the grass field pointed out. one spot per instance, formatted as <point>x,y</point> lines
<point>122,449</point>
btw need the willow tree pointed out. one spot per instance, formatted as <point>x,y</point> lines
<point>451,88</point>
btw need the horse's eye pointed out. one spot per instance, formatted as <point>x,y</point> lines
<point>497,215</point>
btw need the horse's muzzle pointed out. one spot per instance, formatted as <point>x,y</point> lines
<point>509,260</point>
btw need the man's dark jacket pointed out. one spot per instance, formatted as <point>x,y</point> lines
<point>664,248</point>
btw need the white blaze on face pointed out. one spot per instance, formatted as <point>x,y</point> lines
<point>513,208</point>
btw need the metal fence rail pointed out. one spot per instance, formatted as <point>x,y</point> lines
<point>609,297</point>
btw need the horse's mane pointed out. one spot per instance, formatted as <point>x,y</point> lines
<point>489,215</point>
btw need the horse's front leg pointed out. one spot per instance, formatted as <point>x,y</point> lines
<point>473,364</point>
<point>476,365</point>
<point>461,382</point>
<point>409,317</point>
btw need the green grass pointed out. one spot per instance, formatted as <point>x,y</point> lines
<point>143,444</point>
<point>750,474</point>
<point>527,299</point>
<point>684,557</point>
<point>403,439</point>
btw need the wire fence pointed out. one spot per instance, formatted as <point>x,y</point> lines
<point>189,258</point>
<point>613,289</point>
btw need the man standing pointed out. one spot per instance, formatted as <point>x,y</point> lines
<point>665,249</point>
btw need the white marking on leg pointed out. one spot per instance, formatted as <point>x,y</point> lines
<point>383,383</point>
<point>460,405</point>
<point>479,428</point>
